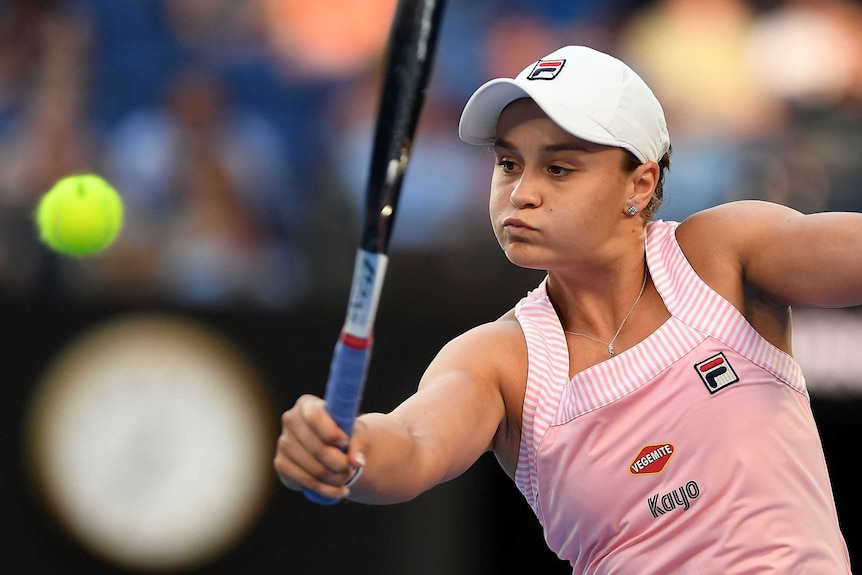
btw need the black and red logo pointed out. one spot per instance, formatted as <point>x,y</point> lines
<point>716,372</point>
<point>546,69</point>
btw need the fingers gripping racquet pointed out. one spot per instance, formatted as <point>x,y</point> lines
<point>410,54</point>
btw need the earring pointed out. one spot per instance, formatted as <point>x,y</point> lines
<point>632,210</point>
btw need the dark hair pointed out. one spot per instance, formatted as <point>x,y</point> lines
<point>631,162</point>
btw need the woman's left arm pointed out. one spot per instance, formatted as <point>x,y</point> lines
<point>810,260</point>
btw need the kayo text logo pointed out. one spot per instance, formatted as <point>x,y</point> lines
<point>679,498</point>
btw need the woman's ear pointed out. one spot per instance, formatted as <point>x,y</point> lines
<point>644,179</point>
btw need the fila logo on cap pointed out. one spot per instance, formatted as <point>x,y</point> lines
<point>716,372</point>
<point>546,69</point>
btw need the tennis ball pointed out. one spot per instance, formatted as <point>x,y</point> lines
<point>80,216</point>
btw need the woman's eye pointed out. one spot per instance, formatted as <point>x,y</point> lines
<point>558,170</point>
<point>507,165</point>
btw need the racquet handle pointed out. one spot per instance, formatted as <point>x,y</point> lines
<point>352,355</point>
<point>344,388</point>
<point>343,393</point>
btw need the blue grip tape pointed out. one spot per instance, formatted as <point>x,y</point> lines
<point>343,394</point>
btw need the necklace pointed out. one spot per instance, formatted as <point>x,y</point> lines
<point>610,344</point>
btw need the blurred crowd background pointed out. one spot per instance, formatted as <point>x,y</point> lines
<point>238,132</point>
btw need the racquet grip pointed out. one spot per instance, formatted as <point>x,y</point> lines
<point>343,393</point>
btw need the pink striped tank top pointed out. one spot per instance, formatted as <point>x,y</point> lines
<point>694,452</point>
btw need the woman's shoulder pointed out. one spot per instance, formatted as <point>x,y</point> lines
<point>736,215</point>
<point>734,226</point>
<point>485,338</point>
<point>504,330</point>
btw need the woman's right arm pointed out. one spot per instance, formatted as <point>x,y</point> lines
<point>432,437</point>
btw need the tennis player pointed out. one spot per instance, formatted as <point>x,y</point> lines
<point>644,397</point>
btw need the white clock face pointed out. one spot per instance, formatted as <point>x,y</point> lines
<point>150,439</point>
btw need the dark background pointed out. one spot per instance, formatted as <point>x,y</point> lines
<point>475,524</point>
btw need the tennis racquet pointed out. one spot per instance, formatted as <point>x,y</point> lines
<point>410,56</point>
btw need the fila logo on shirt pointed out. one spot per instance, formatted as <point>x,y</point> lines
<point>716,372</point>
<point>546,69</point>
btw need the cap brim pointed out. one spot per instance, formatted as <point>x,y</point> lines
<point>478,123</point>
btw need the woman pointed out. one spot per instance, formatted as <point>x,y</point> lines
<point>643,397</point>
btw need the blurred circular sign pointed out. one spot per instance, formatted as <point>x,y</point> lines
<point>149,439</point>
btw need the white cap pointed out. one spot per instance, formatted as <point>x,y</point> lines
<point>591,95</point>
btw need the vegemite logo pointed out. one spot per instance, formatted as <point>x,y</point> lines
<point>716,372</point>
<point>651,459</point>
<point>546,70</point>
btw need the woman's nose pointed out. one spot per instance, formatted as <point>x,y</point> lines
<point>525,193</point>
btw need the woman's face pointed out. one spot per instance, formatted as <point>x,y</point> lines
<point>555,199</point>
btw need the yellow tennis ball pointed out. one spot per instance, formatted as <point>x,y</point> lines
<point>80,216</point>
